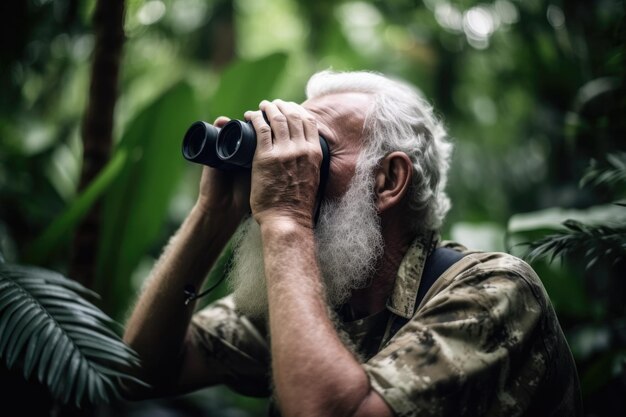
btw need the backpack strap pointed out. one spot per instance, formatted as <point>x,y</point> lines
<point>438,262</point>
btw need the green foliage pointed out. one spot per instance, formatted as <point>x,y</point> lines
<point>245,83</point>
<point>613,174</point>
<point>606,243</point>
<point>60,338</point>
<point>136,205</point>
<point>568,292</point>
<point>62,227</point>
<point>596,240</point>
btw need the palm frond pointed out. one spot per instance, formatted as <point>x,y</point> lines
<point>614,173</point>
<point>595,242</point>
<point>54,333</point>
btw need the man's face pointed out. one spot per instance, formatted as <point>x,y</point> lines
<point>348,236</point>
<point>340,120</point>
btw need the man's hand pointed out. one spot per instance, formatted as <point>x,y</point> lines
<point>286,165</point>
<point>224,193</point>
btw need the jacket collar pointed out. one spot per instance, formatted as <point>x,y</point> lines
<point>409,276</point>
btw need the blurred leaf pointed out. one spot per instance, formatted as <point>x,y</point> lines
<point>565,287</point>
<point>135,207</point>
<point>332,42</point>
<point>57,335</point>
<point>553,218</point>
<point>484,236</point>
<point>593,242</point>
<point>594,90</point>
<point>245,83</point>
<point>62,227</point>
<point>615,173</point>
<point>87,8</point>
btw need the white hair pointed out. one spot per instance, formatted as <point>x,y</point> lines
<point>399,119</point>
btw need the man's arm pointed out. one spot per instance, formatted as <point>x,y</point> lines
<point>158,327</point>
<point>314,373</point>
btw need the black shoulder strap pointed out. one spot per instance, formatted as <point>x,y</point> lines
<point>436,264</point>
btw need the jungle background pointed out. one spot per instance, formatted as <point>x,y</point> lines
<point>96,95</point>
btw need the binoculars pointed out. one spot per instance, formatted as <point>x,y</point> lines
<point>232,147</point>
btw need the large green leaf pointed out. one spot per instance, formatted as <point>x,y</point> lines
<point>52,332</point>
<point>135,207</point>
<point>60,229</point>
<point>245,83</point>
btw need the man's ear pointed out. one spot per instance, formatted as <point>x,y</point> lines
<point>392,180</point>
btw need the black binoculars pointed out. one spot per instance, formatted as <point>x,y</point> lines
<point>230,147</point>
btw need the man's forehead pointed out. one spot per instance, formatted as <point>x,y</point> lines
<point>340,115</point>
<point>344,104</point>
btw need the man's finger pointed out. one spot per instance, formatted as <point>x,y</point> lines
<point>278,121</point>
<point>263,130</point>
<point>309,123</point>
<point>221,121</point>
<point>294,119</point>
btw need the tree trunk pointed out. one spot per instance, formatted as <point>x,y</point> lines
<point>97,128</point>
<point>223,38</point>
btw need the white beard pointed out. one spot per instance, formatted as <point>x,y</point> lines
<point>349,243</point>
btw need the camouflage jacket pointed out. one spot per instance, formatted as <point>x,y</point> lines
<point>484,341</point>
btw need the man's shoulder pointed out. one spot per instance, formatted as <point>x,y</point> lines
<point>485,339</point>
<point>494,289</point>
<point>479,267</point>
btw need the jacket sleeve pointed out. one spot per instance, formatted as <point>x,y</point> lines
<point>234,347</point>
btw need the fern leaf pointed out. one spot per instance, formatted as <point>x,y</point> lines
<point>33,349</point>
<point>613,174</point>
<point>48,328</point>
<point>594,242</point>
<point>17,342</point>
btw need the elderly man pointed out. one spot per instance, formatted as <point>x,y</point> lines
<point>335,318</point>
